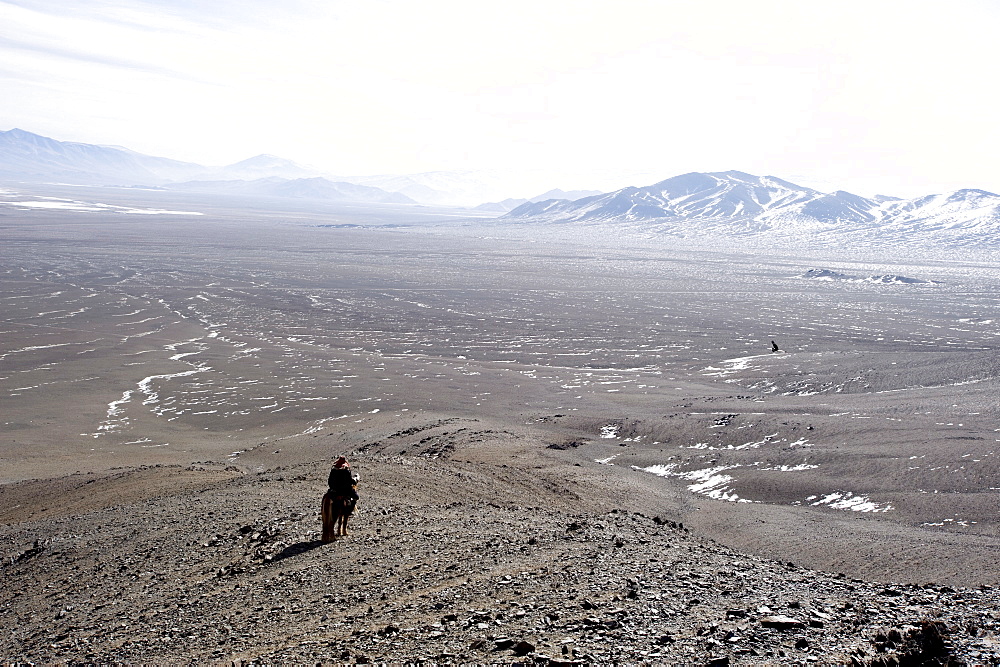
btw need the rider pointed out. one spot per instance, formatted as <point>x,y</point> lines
<point>341,481</point>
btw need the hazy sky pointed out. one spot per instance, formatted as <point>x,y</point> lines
<point>873,97</point>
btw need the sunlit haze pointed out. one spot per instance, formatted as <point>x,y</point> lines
<point>873,97</point>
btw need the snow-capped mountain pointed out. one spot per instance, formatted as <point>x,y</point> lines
<point>735,203</point>
<point>697,196</point>
<point>32,157</point>
<point>970,209</point>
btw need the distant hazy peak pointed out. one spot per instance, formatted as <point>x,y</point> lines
<point>264,159</point>
<point>18,133</point>
<point>570,195</point>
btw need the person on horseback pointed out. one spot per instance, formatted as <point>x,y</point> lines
<point>342,481</point>
<point>339,501</point>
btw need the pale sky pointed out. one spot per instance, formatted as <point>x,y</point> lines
<point>872,97</point>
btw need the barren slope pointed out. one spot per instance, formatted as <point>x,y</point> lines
<point>491,550</point>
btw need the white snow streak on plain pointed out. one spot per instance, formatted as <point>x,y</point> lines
<point>707,481</point>
<point>70,205</point>
<point>731,366</point>
<point>845,500</point>
<point>712,482</point>
<point>115,409</point>
<point>151,396</point>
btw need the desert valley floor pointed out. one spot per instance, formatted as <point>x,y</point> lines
<point>575,447</point>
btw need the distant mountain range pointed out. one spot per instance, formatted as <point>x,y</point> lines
<point>30,157</point>
<point>729,204</point>
<point>316,187</point>
<point>510,204</point>
<point>734,203</point>
<point>469,188</point>
<point>262,166</point>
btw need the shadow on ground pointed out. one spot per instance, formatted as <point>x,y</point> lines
<point>296,549</point>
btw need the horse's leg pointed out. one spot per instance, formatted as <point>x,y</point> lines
<point>349,505</point>
<point>328,520</point>
<point>341,517</point>
<point>343,520</point>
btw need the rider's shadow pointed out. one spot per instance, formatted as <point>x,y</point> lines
<point>296,549</point>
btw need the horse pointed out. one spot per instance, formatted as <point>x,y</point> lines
<point>336,510</point>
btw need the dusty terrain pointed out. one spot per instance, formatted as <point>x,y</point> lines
<point>567,452</point>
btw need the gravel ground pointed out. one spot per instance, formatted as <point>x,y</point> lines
<point>491,549</point>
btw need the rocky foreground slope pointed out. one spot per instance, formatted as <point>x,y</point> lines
<point>471,544</point>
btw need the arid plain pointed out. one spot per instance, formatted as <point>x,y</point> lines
<point>243,342</point>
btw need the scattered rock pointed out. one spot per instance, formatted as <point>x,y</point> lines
<point>422,580</point>
<point>522,648</point>
<point>780,622</point>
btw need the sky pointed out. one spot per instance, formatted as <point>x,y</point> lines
<point>872,97</point>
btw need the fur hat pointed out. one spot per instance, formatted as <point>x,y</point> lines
<point>341,463</point>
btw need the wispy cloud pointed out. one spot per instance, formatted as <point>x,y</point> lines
<point>849,93</point>
<point>80,55</point>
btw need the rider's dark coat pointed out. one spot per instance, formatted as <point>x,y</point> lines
<point>342,482</point>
